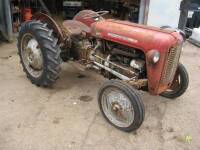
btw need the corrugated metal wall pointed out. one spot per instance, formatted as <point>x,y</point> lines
<point>6,20</point>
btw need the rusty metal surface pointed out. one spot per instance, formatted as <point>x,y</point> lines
<point>87,21</point>
<point>143,38</point>
<point>138,84</point>
<point>51,23</point>
<point>135,36</point>
<point>124,53</point>
<point>171,64</point>
<point>175,84</point>
<point>142,26</point>
<point>75,27</point>
<point>83,13</point>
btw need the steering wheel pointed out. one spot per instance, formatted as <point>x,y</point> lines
<point>95,14</point>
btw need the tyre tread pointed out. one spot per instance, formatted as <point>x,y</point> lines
<point>49,48</point>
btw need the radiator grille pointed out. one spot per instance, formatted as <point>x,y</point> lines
<point>171,64</point>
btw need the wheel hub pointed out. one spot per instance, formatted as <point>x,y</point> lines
<point>117,108</point>
<point>34,55</point>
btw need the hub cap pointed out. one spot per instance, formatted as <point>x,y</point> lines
<point>117,107</point>
<point>32,55</point>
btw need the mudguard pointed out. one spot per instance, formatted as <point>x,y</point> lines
<point>51,23</point>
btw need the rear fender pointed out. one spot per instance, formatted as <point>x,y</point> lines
<point>51,24</point>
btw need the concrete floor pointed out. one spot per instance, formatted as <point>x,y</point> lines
<point>67,116</point>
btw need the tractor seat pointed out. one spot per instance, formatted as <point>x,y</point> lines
<point>75,27</point>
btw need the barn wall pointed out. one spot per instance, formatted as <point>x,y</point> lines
<point>164,12</point>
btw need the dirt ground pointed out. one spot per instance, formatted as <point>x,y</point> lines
<point>67,116</point>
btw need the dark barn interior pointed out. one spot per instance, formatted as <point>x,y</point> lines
<point>65,9</point>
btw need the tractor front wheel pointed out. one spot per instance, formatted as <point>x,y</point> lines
<point>39,53</point>
<point>121,105</point>
<point>179,85</point>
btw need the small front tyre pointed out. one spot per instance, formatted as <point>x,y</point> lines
<point>179,85</point>
<point>121,106</point>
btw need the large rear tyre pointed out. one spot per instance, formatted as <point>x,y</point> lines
<point>179,85</point>
<point>39,53</point>
<point>121,106</point>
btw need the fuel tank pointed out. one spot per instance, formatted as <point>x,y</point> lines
<point>138,36</point>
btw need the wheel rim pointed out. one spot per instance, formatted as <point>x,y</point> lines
<point>176,86</point>
<point>32,55</point>
<point>117,107</point>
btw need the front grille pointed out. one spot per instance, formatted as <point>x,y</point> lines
<point>171,64</point>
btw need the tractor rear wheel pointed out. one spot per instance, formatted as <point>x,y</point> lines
<point>39,53</point>
<point>121,105</point>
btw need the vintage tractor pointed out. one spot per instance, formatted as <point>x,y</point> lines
<point>134,57</point>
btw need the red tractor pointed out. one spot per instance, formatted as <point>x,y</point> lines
<point>134,57</point>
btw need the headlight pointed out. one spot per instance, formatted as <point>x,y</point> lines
<point>153,56</point>
<point>156,57</point>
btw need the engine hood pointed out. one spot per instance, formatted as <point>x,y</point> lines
<point>134,35</point>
